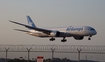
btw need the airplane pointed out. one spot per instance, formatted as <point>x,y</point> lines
<point>77,32</point>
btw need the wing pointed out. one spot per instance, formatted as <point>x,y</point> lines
<point>37,29</point>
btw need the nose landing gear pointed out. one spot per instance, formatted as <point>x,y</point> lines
<point>89,38</point>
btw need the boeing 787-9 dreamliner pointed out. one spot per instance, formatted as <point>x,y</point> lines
<point>77,32</point>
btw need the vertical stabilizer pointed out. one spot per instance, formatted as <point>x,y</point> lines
<point>30,22</point>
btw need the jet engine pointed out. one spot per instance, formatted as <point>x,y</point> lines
<point>78,37</point>
<point>55,34</point>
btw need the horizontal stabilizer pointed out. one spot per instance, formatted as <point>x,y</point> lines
<point>21,30</point>
<point>46,31</point>
<point>22,24</point>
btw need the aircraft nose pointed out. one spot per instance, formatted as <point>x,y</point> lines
<point>95,32</point>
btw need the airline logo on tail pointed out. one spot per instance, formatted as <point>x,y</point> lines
<point>30,22</point>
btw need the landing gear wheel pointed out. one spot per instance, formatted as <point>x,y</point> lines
<point>52,39</point>
<point>89,38</point>
<point>63,40</point>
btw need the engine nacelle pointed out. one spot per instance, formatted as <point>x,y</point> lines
<point>54,34</point>
<point>78,37</point>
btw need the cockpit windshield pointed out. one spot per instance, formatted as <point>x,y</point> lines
<point>91,29</point>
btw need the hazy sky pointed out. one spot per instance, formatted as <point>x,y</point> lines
<point>51,13</point>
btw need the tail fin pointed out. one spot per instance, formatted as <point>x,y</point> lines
<point>30,22</point>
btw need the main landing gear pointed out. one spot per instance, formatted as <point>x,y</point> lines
<point>63,40</point>
<point>52,39</point>
<point>89,38</point>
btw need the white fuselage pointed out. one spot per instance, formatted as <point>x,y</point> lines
<point>70,31</point>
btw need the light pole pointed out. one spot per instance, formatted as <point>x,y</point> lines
<point>6,49</point>
<point>79,50</point>
<point>86,57</point>
<point>53,49</point>
<point>28,53</point>
<point>52,53</point>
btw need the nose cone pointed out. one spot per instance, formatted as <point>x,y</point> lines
<point>92,32</point>
<point>95,32</point>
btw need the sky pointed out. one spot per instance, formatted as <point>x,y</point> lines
<point>51,13</point>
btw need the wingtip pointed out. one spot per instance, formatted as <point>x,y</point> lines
<point>10,21</point>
